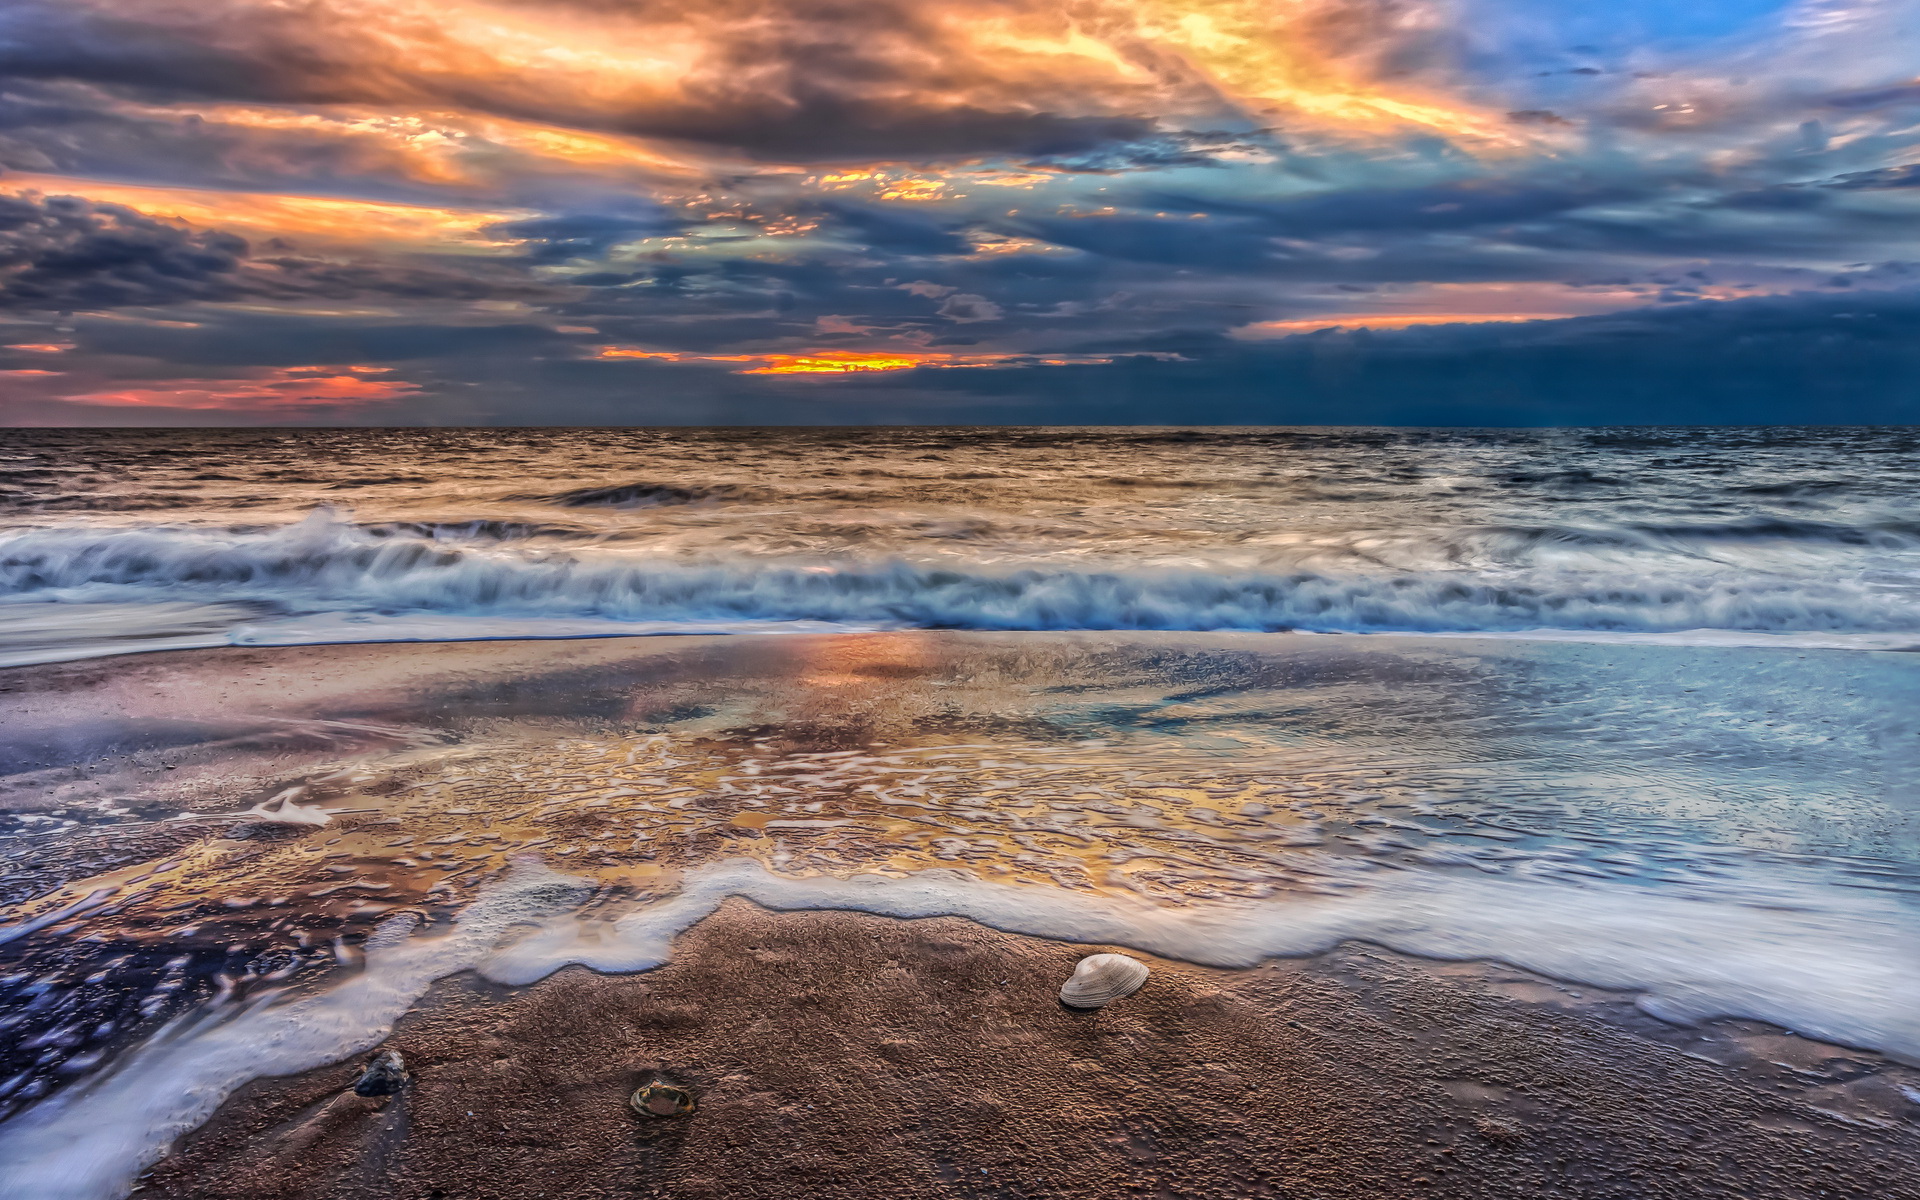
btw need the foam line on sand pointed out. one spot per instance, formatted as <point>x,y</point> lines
<point>1841,972</point>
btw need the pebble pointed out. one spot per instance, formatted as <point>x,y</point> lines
<point>385,1075</point>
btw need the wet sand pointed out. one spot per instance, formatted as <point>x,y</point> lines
<point>843,1055</point>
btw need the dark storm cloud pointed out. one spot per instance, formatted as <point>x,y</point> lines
<point>582,235</point>
<point>1230,244</point>
<point>1470,230</point>
<point>1452,229</point>
<point>76,130</point>
<point>56,42</point>
<point>1844,323</point>
<point>1872,98</point>
<point>1799,358</point>
<point>896,232</point>
<point>1466,204</point>
<point>1254,247</point>
<point>815,125</point>
<point>1812,359</point>
<point>65,253</point>
<point>256,339</point>
<point>1905,176</point>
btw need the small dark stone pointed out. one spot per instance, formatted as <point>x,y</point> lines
<point>385,1075</point>
<point>662,1100</point>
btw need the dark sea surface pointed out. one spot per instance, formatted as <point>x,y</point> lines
<point>1633,710</point>
<point>278,536</point>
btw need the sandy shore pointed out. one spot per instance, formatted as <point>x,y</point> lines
<point>842,1055</point>
<point>837,1054</point>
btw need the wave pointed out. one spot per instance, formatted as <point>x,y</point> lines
<point>1677,541</point>
<point>642,495</point>
<point>323,564</point>
<point>479,529</point>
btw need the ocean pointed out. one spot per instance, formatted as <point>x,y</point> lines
<point>1633,709</point>
<point>206,537</point>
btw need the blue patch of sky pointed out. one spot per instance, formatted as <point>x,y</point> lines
<point>1533,36</point>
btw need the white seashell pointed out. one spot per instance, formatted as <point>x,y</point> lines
<point>1100,979</point>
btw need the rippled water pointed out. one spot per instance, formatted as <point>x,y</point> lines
<point>201,537</point>
<point>1686,765</point>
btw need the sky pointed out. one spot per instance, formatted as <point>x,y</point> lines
<point>586,212</point>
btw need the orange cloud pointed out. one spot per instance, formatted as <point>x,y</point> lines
<point>858,362</point>
<point>728,71</point>
<point>1414,305</point>
<point>1310,58</point>
<point>1276,329</point>
<point>850,363</point>
<point>355,222</point>
<point>284,388</point>
<point>439,148</point>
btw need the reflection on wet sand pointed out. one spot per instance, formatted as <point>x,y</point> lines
<point>1185,778</point>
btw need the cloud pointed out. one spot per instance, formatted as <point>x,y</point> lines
<point>560,239</point>
<point>801,80</point>
<point>796,80</point>
<point>289,388</point>
<point>965,308</point>
<point>897,232</point>
<point>62,252</point>
<point>68,253</point>
<point>773,198</point>
<point>1448,206</point>
<point>252,338</point>
<point>1806,359</point>
<point>1904,176</point>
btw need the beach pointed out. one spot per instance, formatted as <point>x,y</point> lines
<point>847,1055</point>
<point>1434,914</point>
<point>1576,764</point>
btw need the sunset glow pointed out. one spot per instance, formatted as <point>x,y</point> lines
<point>832,362</point>
<point>910,195</point>
<point>840,364</point>
<point>286,388</point>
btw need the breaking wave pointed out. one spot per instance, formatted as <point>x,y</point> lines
<point>643,495</point>
<point>324,564</point>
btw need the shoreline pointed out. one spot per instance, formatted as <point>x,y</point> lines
<point>317,632</point>
<point>430,766</point>
<point>842,1054</point>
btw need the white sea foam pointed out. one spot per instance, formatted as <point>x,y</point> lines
<point>1841,969</point>
<point>71,632</point>
<point>326,628</point>
<point>328,580</point>
<point>32,633</point>
<point>92,1141</point>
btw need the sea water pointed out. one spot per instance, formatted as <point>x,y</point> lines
<point>1632,709</point>
<point>168,538</point>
